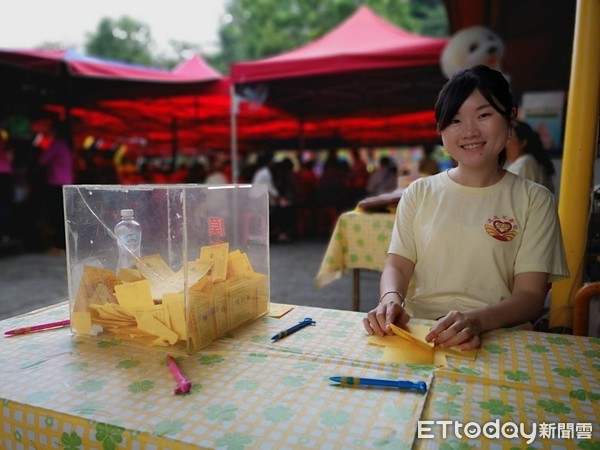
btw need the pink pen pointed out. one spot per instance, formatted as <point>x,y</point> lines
<point>183,385</point>
<point>43,326</point>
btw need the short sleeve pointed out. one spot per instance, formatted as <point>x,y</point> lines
<point>403,241</point>
<point>542,247</point>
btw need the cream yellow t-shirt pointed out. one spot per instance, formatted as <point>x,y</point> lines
<point>468,243</point>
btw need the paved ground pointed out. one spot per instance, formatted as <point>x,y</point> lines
<point>30,281</point>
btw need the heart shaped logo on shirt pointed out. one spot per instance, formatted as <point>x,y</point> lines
<point>502,227</point>
<point>502,230</point>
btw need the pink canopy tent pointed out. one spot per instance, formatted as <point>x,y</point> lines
<point>78,65</point>
<point>365,65</point>
<point>32,78</point>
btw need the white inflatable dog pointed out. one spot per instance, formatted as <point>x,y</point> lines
<point>472,46</point>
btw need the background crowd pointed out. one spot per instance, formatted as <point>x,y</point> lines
<point>308,190</point>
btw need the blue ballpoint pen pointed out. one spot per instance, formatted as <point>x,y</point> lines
<point>420,386</point>
<point>306,322</point>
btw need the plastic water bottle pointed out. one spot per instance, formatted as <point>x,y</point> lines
<point>129,239</point>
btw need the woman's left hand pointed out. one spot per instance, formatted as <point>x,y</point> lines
<point>455,328</point>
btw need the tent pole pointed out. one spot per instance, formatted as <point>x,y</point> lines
<point>578,157</point>
<point>234,142</point>
<point>174,143</point>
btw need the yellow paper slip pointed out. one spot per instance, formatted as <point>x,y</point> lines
<point>129,275</point>
<point>402,351</point>
<point>82,321</point>
<point>102,295</point>
<point>279,310</point>
<point>196,270</point>
<point>134,295</point>
<point>409,347</point>
<point>217,256</point>
<point>409,336</point>
<point>175,305</point>
<point>153,326</point>
<point>110,311</point>
<point>456,352</point>
<point>91,278</point>
<point>160,276</point>
<point>420,331</point>
<point>239,265</point>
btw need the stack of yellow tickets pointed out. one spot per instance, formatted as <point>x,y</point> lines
<point>149,304</point>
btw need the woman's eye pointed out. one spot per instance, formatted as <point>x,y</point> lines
<point>484,115</point>
<point>454,121</point>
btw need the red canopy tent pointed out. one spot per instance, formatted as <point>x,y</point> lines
<point>77,85</point>
<point>65,76</point>
<point>365,65</point>
<point>203,122</point>
<point>188,107</point>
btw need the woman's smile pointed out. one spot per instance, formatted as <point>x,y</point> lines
<point>474,146</point>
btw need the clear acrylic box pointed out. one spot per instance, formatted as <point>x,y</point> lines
<point>202,270</point>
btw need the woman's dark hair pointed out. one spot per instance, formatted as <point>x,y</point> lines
<point>534,145</point>
<point>492,85</point>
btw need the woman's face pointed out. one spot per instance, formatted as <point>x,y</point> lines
<point>477,134</point>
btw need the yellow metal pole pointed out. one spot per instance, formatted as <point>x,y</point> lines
<point>578,156</point>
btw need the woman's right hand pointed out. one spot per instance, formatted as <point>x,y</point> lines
<point>389,311</point>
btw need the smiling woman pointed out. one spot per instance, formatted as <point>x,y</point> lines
<point>475,246</point>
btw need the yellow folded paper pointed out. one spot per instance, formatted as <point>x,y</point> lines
<point>409,347</point>
<point>420,331</point>
<point>409,336</point>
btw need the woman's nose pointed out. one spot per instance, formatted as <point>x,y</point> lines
<point>470,128</point>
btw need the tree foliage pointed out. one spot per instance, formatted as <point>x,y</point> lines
<point>254,29</point>
<point>124,39</point>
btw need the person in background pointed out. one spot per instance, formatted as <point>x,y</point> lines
<point>384,179</point>
<point>57,160</point>
<point>264,175</point>
<point>473,247</point>
<point>197,173</point>
<point>428,165</point>
<point>305,183</point>
<point>331,192</point>
<point>284,212</point>
<point>358,178</point>
<point>527,156</point>
<point>216,173</point>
